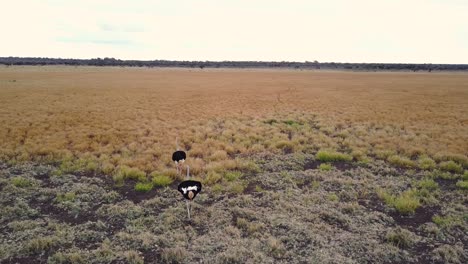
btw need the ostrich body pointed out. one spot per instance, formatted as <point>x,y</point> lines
<point>189,189</point>
<point>178,157</point>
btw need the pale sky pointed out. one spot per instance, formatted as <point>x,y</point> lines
<point>408,31</point>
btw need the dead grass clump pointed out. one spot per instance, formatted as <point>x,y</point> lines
<point>276,247</point>
<point>236,187</point>
<point>332,156</point>
<point>219,155</point>
<point>133,257</point>
<point>212,178</point>
<point>449,254</point>
<point>174,255</point>
<point>400,237</point>
<point>68,257</point>
<point>41,244</point>
<point>125,172</point>
<point>286,147</point>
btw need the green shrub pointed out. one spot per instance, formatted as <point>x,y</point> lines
<point>405,203</point>
<point>143,186</point>
<point>233,175</point>
<point>447,221</point>
<point>326,167</point>
<point>462,185</point>
<point>333,197</point>
<point>458,158</point>
<point>451,166</point>
<point>426,163</point>
<point>428,184</point>
<point>400,161</point>
<point>332,156</point>
<point>437,174</point>
<point>217,188</point>
<point>21,182</point>
<point>174,255</point>
<point>66,197</point>
<point>465,176</point>
<point>161,180</point>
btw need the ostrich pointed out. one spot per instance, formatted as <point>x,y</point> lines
<point>189,189</point>
<point>178,157</point>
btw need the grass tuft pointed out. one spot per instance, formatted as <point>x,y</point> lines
<point>233,175</point>
<point>399,237</point>
<point>325,167</point>
<point>426,163</point>
<point>143,186</point>
<point>405,203</point>
<point>451,166</point>
<point>161,180</point>
<point>332,156</point>
<point>21,182</point>
<point>400,161</point>
<point>462,185</point>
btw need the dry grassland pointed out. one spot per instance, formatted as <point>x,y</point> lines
<point>105,118</point>
<point>297,166</point>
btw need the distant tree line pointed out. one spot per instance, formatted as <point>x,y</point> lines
<point>236,64</point>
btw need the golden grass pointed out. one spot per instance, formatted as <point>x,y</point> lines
<point>125,120</point>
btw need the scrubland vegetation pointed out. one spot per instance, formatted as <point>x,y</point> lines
<point>297,166</point>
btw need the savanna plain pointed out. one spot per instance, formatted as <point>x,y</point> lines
<point>297,166</point>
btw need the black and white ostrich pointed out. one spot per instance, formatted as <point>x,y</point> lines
<point>178,157</point>
<point>189,189</point>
